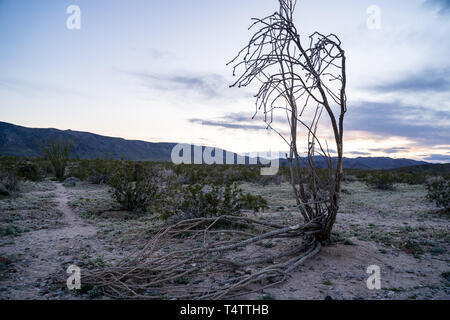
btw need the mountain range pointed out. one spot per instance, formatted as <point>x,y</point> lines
<point>27,142</point>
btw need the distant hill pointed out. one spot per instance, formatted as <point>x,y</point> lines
<point>22,141</point>
<point>379,163</point>
<point>369,163</point>
<point>429,168</point>
<point>27,142</point>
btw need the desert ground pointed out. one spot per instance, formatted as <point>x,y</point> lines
<point>48,226</point>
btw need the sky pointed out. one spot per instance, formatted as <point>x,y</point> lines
<point>156,70</point>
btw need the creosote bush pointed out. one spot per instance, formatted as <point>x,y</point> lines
<point>383,180</point>
<point>439,191</point>
<point>132,188</point>
<point>9,183</point>
<point>207,197</point>
<point>411,178</point>
<point>94,171</point>
<point>210,200</point>
<point>29,170</point>
<point>255,203</point>
<point>206,201</point>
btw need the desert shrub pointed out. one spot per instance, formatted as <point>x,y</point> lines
<point>232,175</point>
<point>9,183</point>
<point>100,171</point>
<point>206,200</point>
<point>29,170</point>
<point>383,180</point>
<point>95,171</point>
<point>134,192</point>
<point>201,200</point>
<point>439,191</point>
<point>255,203</point>
<point>80,169</point>
<point>273,179</point>
<point>57,152</point>
<point>361,174</point>
<point>412,247</point>
<point>46,166</point>
<point>412,178</point>
<point>218,174</point>
<point>349,178</point>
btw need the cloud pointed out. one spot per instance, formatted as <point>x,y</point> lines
<point>360,153</point>
<point>157,54</point>
<point>208,86</point>
<point>238,120</point>
<point>428,80</point>
<point>425,126</point>
<point>438,157</point>
<point>227,124</point>
<point>442,5</point>
<point>390,150</point>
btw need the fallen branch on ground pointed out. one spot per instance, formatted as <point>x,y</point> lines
<point>199,259</point>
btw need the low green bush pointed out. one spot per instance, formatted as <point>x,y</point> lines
<point>412,178</point>
<point>439,192</point>
<point>382,179</point>
<point>201,200</point>
<point>133,192</point>
<point>255,203</point>
<point>9,183</point>
<point>29,170</point>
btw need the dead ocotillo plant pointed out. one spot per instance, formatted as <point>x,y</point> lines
<point>220,262</point>
<point>298,85</point>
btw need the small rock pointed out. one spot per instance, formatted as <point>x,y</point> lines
<point>26,262</point>
<point>3,190</point>
<point>329,275</point>
<point>43,292</point>
<point>71,182</point>
<point>349,275</point>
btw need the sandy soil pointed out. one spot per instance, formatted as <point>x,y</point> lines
<point>398,231</point>
<point>340,272</point>
<point>45,252</point>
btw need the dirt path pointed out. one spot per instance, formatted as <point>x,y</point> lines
<point>45,252</point>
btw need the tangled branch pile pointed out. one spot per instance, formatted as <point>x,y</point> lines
<point>215,262</point>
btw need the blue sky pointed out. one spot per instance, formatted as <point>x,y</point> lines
<point>155,70</point>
